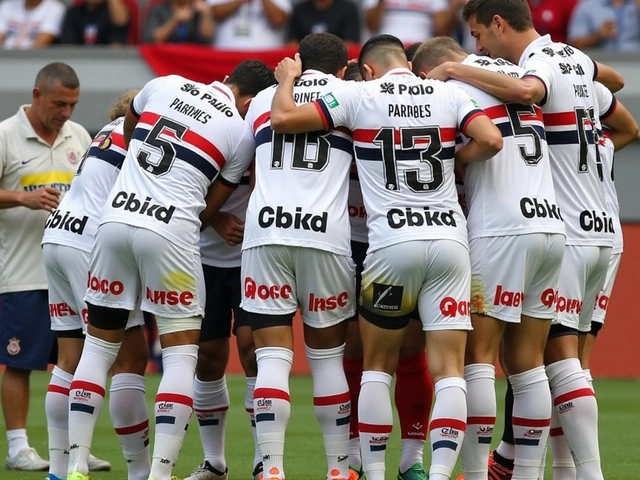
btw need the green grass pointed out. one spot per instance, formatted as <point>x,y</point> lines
<point>619,434</point>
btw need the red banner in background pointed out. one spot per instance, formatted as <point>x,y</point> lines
<point>204,64</point>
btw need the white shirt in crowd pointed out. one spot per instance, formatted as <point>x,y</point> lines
<point>20,27</point>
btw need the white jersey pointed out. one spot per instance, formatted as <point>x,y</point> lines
<point>406,166</point>
<point>214,250</point>
<point>512,193</point>
<point>188,134</point>
<point>301,181</point>
<point>75,222</point>
<point>357,212</point>
<point>606,104</point>
<point>569,116</point>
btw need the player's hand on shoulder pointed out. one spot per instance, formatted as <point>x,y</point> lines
<point>441,72</point>
<point>288,67</point>
<point>45,198</point>
<point>229,227</point>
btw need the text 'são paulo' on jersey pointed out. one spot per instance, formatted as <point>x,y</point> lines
<point>75,221</point>
<point>302,181</point>
<point>569,116</point>
<point>404,131</point>
<point>188,134</point>
<point>513,192</point>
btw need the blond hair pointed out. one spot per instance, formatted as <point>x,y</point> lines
<point>121,105</point>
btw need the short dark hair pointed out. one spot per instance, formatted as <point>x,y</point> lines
<point>324,52</point>
<point>433,52</point>
<point>56,72</point>
<point>353,72</point>
<point>411,50</point>
<point>251,77</point>
<point>515,12</point>
<point>382,47</point>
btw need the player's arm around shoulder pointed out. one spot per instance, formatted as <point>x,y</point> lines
<point>623,128</point>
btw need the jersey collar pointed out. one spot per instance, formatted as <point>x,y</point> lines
<point>222,88</point>
<point>29,132</point>
<point>311,71</point>
<point>398,71</point>
<point>537,43</point>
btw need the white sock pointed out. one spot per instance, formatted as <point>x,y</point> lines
<point>332,406</point>
<point>128,409</point>
<point>481,418</point>
<point>86,397</point>
<point>355,457</point>
<point>587,375</point>
<point>272,406</point>
<point>375,422</point>
<point>564,468</point>
<point>411,452</point>
<point>56,407</point>
<point>248,406</point>
<point>17,440</point>
<point>531,421</point>
<point>448,425</point>
<point>211,402</point>
<point>174,405</point>
<point>577,409</point>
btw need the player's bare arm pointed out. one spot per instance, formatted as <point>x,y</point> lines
<point>218,194</point>
<point>622,126</point>
<point>527,90</point>
<point>609,77</point>
<point>229,227</point>
<point>45,198</point>
<point>486,141</point>
<point>130,122</point>
<point>286,117</point>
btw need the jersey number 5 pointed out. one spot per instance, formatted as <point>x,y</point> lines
<point>166,149</point>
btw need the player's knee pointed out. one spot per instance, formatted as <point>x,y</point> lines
<point>70,343</point>
<point>246,351</point>
<point>213,356</point>
<point>134,355</point>
<point>414,340</point>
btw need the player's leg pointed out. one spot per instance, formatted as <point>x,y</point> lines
<point>413,396</point>
<point>113,288</point>
<point>127,401</point>
<point>443,304</point>
<point>27,343</point>
<point>391,282</point>
<point>581,279</point>
<point>326,289</point>
<point>270,299</point>
<point>353,360</point>
<point>210,394</point>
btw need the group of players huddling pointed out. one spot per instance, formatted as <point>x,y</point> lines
<point>241,192</point>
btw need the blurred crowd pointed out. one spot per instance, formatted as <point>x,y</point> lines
<point>612,25</point>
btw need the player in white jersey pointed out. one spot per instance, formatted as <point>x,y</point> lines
<point>559,78</point>
<point>517,239</point>
<point>188,147</point>
<point>296,252</point>
<point>404,132</point>
<point>413,390</point>
<point>68,238</point>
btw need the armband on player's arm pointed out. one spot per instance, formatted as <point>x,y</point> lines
<point>623,128</point>
<point>130,121</point>
<point>218,194</point>
<point>486,140</point>
<point>609,77</point>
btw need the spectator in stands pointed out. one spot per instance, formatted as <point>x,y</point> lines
<point>179,21</point>
<point>339,17</point>
<point>606,24</point>
<point>28,24</point>
<point>552,17</point>
<point>410,20</point>
<point>40,149</point>
<point>96,22</point>
<point>250,24</point>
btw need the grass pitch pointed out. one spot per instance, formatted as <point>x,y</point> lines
<point>304,459</point>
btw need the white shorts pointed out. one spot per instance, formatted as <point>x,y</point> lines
<point>602,300</point>
<point>582,276</point>
<point>277,279</point>
<point>515,275</point>
<point>67,270</point>
<point>430,276</point>
<point>130,262</point>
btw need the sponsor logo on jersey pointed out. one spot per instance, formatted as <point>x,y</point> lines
<point>450,307</point>
<point>61,309</point>
<point>115,287</point>
<point>66,222</point>
<point>130,203</point>
<point>590,221</point>
<point>169,297</point>
<point>387,297</point>
<point>409,217</point>
<point>507,298</point>
<point>531,208</point>
<point>322,304</point>
<point>330,101</point>
<point>265,292</point>
<point>298,220</point>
